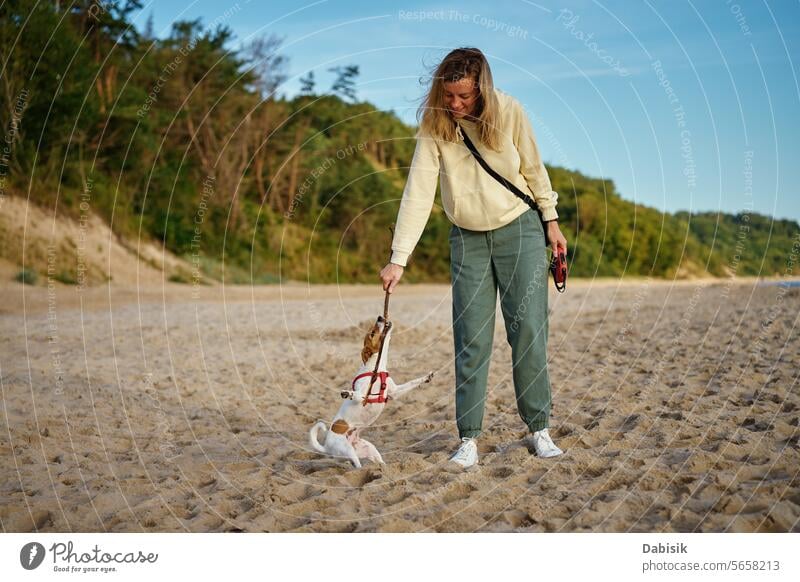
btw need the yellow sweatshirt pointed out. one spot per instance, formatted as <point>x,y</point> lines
<point>471,198</point>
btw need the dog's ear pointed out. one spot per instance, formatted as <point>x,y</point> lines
<point>366,353</point>
<point>372,341</point>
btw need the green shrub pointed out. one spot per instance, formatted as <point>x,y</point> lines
<point>27,277</point>
<point>66,278</point>
<point>179,277</point>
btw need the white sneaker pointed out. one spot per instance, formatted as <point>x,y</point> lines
<point>467,453</point>
<point>544,445</point>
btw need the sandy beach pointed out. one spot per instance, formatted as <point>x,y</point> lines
<point>171,408</point>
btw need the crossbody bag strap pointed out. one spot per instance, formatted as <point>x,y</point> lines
<point>509,186</point>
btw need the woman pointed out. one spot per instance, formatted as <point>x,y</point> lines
<point>496,241</point>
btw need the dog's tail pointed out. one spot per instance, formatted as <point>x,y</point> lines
<point>312,437</point>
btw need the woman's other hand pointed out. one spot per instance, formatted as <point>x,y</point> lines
<point>555,236</point>
<point>390,275</point>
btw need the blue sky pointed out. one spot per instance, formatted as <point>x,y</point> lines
<point>684,105</point>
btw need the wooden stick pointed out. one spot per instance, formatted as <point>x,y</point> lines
<point>386,325</point>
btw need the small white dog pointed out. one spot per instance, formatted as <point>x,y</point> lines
<point>343,440</point>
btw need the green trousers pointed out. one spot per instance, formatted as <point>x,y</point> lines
<point>513,260</point>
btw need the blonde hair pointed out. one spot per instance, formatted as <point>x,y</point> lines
<point>432,115</point>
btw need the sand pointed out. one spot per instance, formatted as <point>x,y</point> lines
<point>168,408</point>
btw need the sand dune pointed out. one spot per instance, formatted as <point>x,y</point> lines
<point>158,410</point>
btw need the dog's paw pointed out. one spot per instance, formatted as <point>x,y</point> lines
<point>429,377</point>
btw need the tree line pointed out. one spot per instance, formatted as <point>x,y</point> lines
<point>186,140</point>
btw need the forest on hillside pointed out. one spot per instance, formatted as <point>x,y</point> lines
<point>186,140</point>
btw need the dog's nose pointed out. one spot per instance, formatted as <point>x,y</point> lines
<point>380,318</point>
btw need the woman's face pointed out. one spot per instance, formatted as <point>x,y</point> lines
<point>460,97</point>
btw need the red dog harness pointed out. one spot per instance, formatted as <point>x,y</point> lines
<point>379,398</point>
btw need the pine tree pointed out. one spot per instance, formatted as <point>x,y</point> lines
<point>344,84</point>
<point>307,84</point>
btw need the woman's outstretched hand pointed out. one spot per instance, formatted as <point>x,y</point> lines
<point>390,275</point>
<point>555,236</point>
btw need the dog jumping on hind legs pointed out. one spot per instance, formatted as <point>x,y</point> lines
<point>364,402</point>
